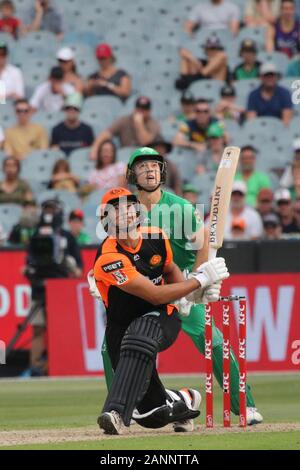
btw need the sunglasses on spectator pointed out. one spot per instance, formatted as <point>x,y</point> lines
<point>283,202</point>
<point>199,110</point>
<point>22,110</point>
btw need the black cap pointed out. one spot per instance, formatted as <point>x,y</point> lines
<point>3,47</point>
<point>228,90</point>
<point>187,98</point>
<point>161,141</point>
<point>271,219</point>
<point>57,73</point>
<point>143,102</point>
<point>248,45</point>
<point>213,42</point>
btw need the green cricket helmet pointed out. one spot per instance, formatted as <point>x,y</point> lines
<point>144,154</point>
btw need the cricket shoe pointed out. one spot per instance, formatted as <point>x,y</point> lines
<point>192,399</point>
<point>253,416</point>
<point>111,422</point>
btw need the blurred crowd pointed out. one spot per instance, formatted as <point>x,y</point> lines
<point>200,128</point>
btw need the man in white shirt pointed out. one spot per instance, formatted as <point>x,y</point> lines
<point>215,14</point>
<point>243,222</point>
<point>50,95</point>
<point>10,76</point>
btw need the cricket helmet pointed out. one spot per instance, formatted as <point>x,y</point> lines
<point>114,197</point>
<point>144,154</point>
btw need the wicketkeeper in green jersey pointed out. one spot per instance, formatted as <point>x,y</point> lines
<point>188,237</point>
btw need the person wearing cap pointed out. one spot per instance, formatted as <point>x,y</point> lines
<point>272,227</point>
<point>214,15</point>
<point>50,95</point>
<point>187,105</point>
<point>296,209</point>
<point>261,12</point>
<point>286,181</point>
<point>265,202</point>
<point>284,35</point>
<point>13,189</point>
<point>45,15</point>
<point>193,133</point>
<point>108,80</point>
<point>216,142</point>
<point>227,108</point>
<point>270,99</point>
<point>285,211</point>
<point>25,228</point>
<point>213,66</point>
<point>10,76</point>
<point>253,229</point>
<point>66,60</point>
<point>76,225</point>
<point>190,193</point>
<point>250,66</point>
<point>9,24</point>
<point>25,136</point>
<point>173,180</point>
<point>138,128</point>
<point>254,180</point>
<point>72,134</point>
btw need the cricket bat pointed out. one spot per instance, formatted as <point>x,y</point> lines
<point>221,198</point>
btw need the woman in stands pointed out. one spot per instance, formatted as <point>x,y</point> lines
<point>284,36</point>
<point>108,80</point>
<point>108,172</point>
<point>62,177</point>
<point>13,189</point>
<point>66,60</point>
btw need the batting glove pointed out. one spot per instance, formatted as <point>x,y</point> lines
<point>210,272</point>
<point>92,286</point>
<point>184,306</point>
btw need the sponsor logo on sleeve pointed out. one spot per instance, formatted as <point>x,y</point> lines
<point>107,268</point>
<point>120,277</point>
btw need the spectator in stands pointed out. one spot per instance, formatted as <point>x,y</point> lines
<point>45,15</point>
<point>25,228</point>
<point>295,187</point>
<point>216,141</point>
<point>270,99</point>
<point>50,95</point>
<point>265,202</point>
<point>66,60</point>
<point>164,148</point>
<point>190,193</point>
<point>272,227</point>
<point>284,36</point>
<point>254,180</point>
<point>250,66</point>
<point>193,69</point>
<point>136,129</point>
<point>108,171</point>
<point>1,138</point>
<point>241,217</point>
<point>227,108</point>
<point>192,134</point>
<point>261,12</point>
<point>286,180</point>
<point>285,211</point>
<point>25,136</point>
<point>3,235</point>
<point>214,14</point>
<point>296,208</point>
<point>187,103</point>
<point>12,188</point>
<point>108,80</point>
<point>11,76</point>
<point>62,177</point>
<point>76,226</point>
<point>72,134</point>
<point>8,22</point>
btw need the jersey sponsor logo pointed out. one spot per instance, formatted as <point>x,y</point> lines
<point>157,281</point>
<point>107,268</point>
<point>136,257</point>
<point>155,260</point>
<point>120,277</point>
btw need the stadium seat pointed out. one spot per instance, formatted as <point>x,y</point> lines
<point>185,161</point>
<point>264,124</point>
<point>87,38</point>
<point>209,89</point>
<point>39,165</point>
<point>69,200</point>
<point>243,88</point>
<point>7,115</point>
<point>169,129</point>
<point>257,34</point>
<point>80,164</point>
<point>278,58</point>
<point>124,154</point>
<point>48,120</point>
<point>9,216</point>
<point>101,111</point>
<point>204,183</point>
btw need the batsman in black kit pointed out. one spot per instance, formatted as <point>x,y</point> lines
<point>131,269</point>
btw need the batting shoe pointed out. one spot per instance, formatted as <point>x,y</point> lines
<point>111,422</point>
<point>192,399</point>
<point>253,416</point>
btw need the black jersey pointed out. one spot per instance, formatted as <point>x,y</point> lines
<point>117,265</point>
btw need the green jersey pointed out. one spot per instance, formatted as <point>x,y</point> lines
<point>180,220</point>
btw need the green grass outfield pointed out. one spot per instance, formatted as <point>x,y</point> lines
<point>63,412</point>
